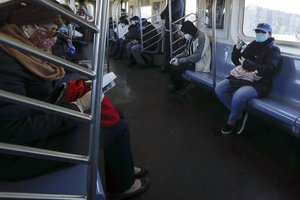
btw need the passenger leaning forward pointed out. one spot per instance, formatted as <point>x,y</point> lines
<point>252,78</point>
<point>32,24</point>
<point>196,55</point>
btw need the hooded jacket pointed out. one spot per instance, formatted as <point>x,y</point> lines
<point>196,51</point>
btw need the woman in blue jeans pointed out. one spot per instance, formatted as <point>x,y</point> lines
<point>260,56</point>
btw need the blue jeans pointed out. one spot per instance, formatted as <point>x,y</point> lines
<point>136,51</point>
<point>234,98</point>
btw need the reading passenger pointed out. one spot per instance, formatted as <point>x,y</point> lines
<point>34,25</point>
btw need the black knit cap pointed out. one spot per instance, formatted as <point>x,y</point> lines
<point>189,28</point>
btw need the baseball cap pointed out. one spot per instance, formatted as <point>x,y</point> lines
<point>135,18</point>
<point>263,27</point>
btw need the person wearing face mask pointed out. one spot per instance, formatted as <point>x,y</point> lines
<point>196,56</point>
<point>150,36</point>
<point>263,58</point>
<point>133,36</point>
<point>30,23</point>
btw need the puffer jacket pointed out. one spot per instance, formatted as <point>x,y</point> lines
<point>265,57</point>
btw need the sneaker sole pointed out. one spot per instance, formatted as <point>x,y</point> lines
<point>226,132</point>
<point>243,125</point>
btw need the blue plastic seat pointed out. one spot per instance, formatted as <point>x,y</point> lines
<point>68,181</point>
<point>283,103</point>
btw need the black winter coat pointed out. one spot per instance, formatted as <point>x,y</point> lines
<point>20,124</point>
<point>264,57</point>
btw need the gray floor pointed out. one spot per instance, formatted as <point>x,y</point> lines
<point>179,139</point>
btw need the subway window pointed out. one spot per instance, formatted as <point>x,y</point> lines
<point>220,14</point>
<point>283,16</point>
<point>190,7</point>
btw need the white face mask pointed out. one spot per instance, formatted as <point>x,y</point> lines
<point>188,36</point>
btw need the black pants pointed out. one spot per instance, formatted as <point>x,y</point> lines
<point>118,161</point>
<point>176,74</point>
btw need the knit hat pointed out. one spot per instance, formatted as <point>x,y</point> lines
<point>189,28</point>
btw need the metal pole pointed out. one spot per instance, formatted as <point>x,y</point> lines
<point>170,28</point>
<point>98,66</point>
<point>141,25</point>
<point>214,41</point>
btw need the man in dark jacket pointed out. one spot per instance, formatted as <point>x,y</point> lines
<point>150,37</point>
<point>261,57</point>
<point>177,8</point>
<point>132,36</point>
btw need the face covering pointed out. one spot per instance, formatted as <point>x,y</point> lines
<point>188,36</point>
<point>261,37</point>
<point>43,38</point>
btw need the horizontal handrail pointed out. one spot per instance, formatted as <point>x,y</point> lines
<point>51,58</point>
<point>154,43</point>
<point>20,150</point>
<point>150,32</point>
<point>181,38</point>
<point>153,16</point>
<point>67,14</point>
<point>184,18</point>
<point>159,34</point>
<point>20,195</point>
<point>178,49</point>
<point>41,105</point>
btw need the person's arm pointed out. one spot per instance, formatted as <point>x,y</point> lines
<point>22,124</point>
<point>271,64</point>
<point>165,13</point>
<point>178,7</point>
<point>235,55</point>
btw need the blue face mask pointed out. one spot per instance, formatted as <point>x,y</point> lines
<point>261,37</point>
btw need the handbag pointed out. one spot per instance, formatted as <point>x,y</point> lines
<point>240,73</point>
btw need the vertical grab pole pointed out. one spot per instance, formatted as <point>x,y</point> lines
<point>98,67</point>
<point>141,24</point>
<point>214,41</point>
<point>170,29</point>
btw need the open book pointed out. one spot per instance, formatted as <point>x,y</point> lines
<point>108,81</point>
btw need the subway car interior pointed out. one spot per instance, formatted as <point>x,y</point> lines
<point>176,135</point>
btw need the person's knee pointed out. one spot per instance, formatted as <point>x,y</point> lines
<point>135,48</point>
<point>221,87</point>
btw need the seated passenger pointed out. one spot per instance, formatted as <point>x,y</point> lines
<point>150,36</point>
<point>121,31</point>
<point>261,57</point>
<point>32,24</point>
<point>133,36</point>
<point>112,35</point>
<point>196,56</point>
<point>82,10</point>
